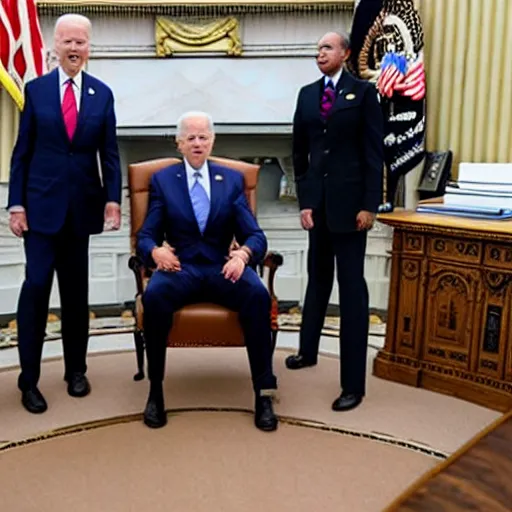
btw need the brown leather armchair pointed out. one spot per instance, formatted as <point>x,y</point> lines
<point>195,325</point>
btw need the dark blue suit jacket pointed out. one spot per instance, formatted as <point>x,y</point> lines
<point>51,174</point>
<point>338,163</point>
<point>170,217</point>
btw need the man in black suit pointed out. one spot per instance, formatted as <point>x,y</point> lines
<point>338,165</point>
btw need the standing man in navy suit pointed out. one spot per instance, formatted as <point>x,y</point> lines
<point>58,198</point>
<point>338,164</point>
<point>197,207</point>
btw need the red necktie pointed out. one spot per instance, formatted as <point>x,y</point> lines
<point>69,110</point>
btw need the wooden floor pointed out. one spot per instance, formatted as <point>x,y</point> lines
<point>478,477</point>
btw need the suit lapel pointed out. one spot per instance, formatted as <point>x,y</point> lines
<point>55,99</point>
<point>180,184</point>
<point>216,191</point>
<point>343,88</point>
<point>87,95</point>
<point>318,92</point>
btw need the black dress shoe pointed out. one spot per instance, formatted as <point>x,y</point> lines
<point>297,362</point>
<point>345,402</point>
<point>154,413</point>
<point>264,417</point>
<point>78,385</point>
<point>33,401</point>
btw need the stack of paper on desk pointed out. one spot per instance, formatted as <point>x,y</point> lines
<point>482,191</point>
<point>474,212</point>
<point>488,185</point>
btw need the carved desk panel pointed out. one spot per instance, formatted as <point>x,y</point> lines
<point>449,313</point>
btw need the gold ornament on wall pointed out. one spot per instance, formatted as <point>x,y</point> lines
<point>218,36</point>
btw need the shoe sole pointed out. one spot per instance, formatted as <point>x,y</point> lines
<point>154,425</point>
<point>343,409</point>
<point>269,428</point>
<point>79,395</point>
<point>34,411</point>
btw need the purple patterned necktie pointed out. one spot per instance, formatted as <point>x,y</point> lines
<point>327,100</point>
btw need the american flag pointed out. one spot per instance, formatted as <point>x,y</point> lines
<point>21,46</point>
<point>406,78</point>
<point>393,69</point>
<point>413,84</point>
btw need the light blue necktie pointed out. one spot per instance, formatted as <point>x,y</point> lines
<point>200,202</point>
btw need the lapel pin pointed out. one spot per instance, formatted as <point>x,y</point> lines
<point>218,177</point>
<point>178,175</point>
<point>91,91</point>
<point>350,96</point>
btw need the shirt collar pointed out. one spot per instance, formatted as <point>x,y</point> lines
<point>335,79</point>
<point>190,170</point>
<point>63,77</point>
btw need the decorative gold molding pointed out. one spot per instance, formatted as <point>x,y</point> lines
<point>217,36</point>
<point>191,7</point>
<point>453,372</point>
<point>231,3</point>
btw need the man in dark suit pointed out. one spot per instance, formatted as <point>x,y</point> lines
<point>197,207</point>
<point>57,199</point>
<point>338,165</point>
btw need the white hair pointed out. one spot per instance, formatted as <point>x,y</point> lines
<point>194,114</point>
<point>76,19</point>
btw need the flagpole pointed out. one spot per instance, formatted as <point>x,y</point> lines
<point>8,84</point>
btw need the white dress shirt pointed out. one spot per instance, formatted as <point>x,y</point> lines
<point>204,180</point>
<point>335,79</point>
<point>77,86</point>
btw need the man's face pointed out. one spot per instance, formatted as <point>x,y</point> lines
<point>195,142</point>
<point>331,54</point>
<point>72,47</point>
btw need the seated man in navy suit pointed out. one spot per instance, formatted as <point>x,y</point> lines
<point>197,207</point>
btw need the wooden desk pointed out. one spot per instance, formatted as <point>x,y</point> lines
<point>476,477</point>
<point>449,326</point>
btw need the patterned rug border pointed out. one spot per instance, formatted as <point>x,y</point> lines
<point>288,420</point>
<point>115,351</point>
<point>330,333</point>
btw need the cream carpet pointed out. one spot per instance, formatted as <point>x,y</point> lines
<point>94,453</point>
<point>219,378</point>
<point>206,461</point>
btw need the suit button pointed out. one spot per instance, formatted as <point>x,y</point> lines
<point>71,153</point>
<point>325,175</point>
<point>325,130</point>
<point>326,151</point>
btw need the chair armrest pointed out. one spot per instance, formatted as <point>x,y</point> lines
<point>272,260</point>
<point>136,265</point>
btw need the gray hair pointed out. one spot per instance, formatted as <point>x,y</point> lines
<point>345,40</point>
<point>77,19</point>
<point>191,114</point>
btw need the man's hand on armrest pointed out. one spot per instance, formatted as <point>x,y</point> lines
<point>244,253</point>
<point>237,261</point>
<point>165,259</point>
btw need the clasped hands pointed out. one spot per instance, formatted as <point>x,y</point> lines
<point>166,260</point>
